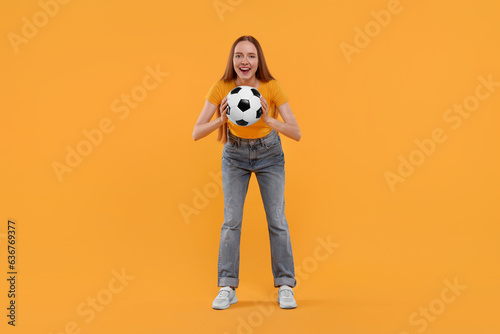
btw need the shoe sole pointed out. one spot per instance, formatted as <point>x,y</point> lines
<point>289,306</point>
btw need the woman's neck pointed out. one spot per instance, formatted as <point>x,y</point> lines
<point>253,82</point>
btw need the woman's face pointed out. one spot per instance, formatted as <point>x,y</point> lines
<point>245,60</point>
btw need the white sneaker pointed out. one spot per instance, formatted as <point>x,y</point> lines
<point>225,298</point>
<point>285,297</point>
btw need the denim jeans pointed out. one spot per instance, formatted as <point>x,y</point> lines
<point>265,158</point>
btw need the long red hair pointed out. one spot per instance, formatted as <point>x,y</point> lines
<point>262,74</point>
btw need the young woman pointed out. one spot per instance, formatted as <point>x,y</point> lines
<point>255,148</point>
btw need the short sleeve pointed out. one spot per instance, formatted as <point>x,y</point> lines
<point>214,95</point>
<point>279,94</point>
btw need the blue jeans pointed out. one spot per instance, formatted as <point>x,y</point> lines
<point>265,158</point>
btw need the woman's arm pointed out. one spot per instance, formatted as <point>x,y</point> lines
<point>289,127</point>
<point>204,126</point>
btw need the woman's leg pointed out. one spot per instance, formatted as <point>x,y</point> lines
<point>235,181</point>
<point>270,174</point>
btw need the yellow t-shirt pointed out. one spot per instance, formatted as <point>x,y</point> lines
<point>271,91</point>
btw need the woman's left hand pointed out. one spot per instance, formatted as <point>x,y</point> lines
<point>265,111</point>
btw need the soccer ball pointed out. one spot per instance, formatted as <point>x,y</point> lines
<point>243,105</point>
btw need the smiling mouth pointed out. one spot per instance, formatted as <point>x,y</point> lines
<point>244,70</point>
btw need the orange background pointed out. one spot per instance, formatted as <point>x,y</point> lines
<point>121,207</point>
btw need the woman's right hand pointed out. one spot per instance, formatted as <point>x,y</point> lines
<point>223,107</point>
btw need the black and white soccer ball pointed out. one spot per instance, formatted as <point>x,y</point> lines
<point>243,105</point>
